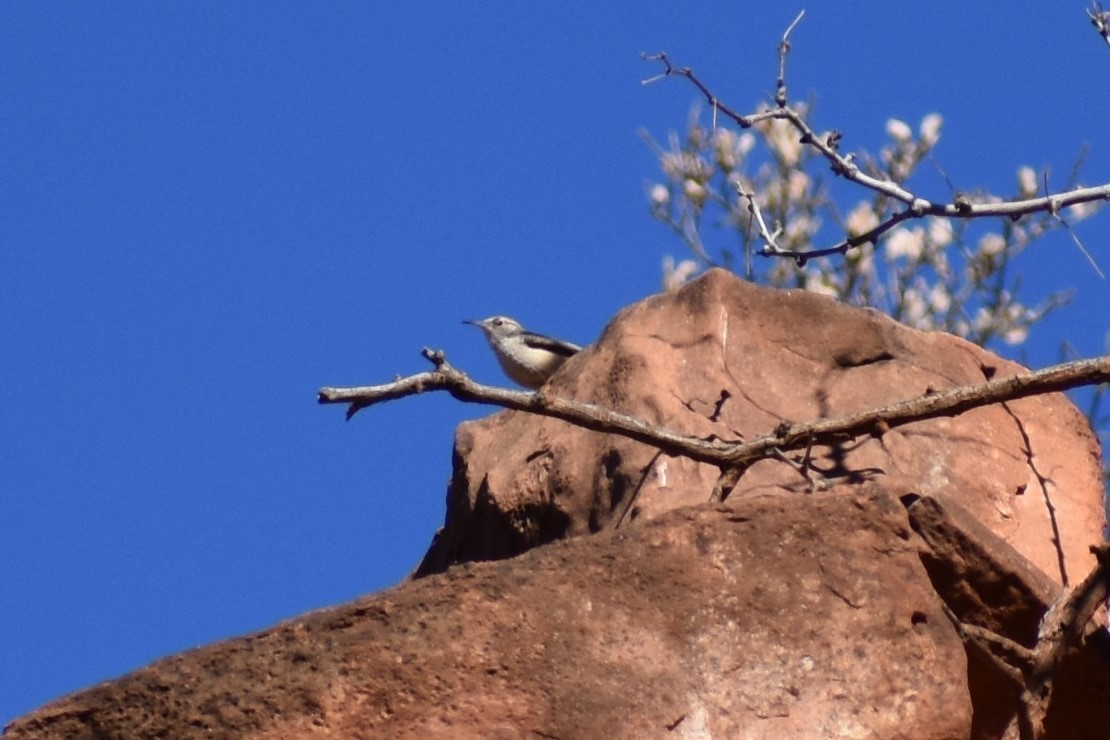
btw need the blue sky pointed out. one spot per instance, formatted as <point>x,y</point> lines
<point>210,210</point>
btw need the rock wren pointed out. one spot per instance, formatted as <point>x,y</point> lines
<point>527,358</point>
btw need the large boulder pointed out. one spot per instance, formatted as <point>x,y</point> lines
<point>724,357</point>
<point>767,617</point>
<point>800,607</point>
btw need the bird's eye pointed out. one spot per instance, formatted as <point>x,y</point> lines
<point>499,321</point>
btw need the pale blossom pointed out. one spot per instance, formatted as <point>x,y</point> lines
<point>678,165</point>
<point>940,232</point>
<point>982,321</point>
<point>675,276</point>
<point>694,190</point>
<point>672,164</point>
<point>745,143</point>
<point>817,282</point>
<point>1027,182</point>
<point>940,299</point>
<point>783,138</point>
<point>1015,335</point>
<point>695,135</point>
<point>863,257</point>
<point>898,130</point>
<point>991,244</point>
<point>930,129</point>
<point>862,219</point>
<point>801,228</point>
<point>905,243</point>
<point>724,145</point>
<point>1080,211</point>
<point>797,185</point>
<point>698,168</point>
<point>914,308</point>
<point>898,162</point>
<point>659,195</point>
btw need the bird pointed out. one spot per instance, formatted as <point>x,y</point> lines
<point>529,359</point>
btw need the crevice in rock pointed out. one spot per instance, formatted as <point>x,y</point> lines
<point>999,602</point>
<point>849,359</point>
<point>1043,481</point>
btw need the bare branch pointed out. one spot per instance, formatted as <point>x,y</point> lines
<point>1034,670</point>
<point>732,458</point>
<point>945,403</point>
<point>458,384</point>
<point>726,481</point>
<point>1067,620</point>
<point>769,239</point>
<point>669,69</point>
<point>1012,658</point>
<point>962,206</point>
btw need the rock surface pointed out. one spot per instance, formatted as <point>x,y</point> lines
<point>782,613</point>
<point>772,617</point>
<point>522,480</point>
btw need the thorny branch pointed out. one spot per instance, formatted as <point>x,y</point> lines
<point>731,458</point>
<point>844,165</point>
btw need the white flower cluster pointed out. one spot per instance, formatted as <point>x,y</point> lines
<point>929,273</point>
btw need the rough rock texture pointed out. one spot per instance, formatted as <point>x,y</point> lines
<point>779,614</point>
<point>522,480</point>
<point>986,583</point>
<point>769,617</point>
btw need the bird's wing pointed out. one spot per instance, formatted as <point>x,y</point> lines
<point>558,346</point>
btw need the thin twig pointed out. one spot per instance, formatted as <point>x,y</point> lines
<point>784,49</point>
<point>669,70</point>
<point>726,481</point>
<point>1068,618</point>
<point>814,481</point>
<point>1034,670</point>
<point>769,239</point>
<point>1055,213</point>
<point>844,165</point>
<point>1079,243</point>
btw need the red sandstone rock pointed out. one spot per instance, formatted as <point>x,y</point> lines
<point>779,614</point>
<point>522,480</point>
<point>769,617</point>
